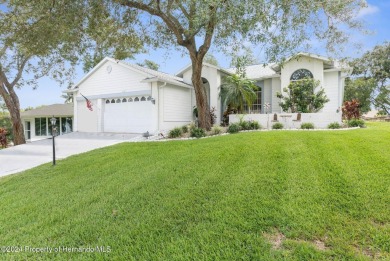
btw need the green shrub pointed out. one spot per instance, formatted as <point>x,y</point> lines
<point>356,123</point>
<point>334,125</point>
<point>254,125</point>
<point>307,125</point>
<point>215,130</point>
<point>234,128</point>
<point>198,133</point>
<point>175,133</point>
<point>245,125</point>
<point>277,126</point>
<point>184,129</point>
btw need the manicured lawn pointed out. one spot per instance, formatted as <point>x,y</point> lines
<point>252,196</point>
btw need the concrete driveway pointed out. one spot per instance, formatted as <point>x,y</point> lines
<point>27,156</point>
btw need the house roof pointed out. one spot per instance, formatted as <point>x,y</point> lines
<point>150,75</point>
<point>258,71</point>
<point>50,110</point>
<point>181,72</point>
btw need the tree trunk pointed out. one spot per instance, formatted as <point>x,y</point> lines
<point>12,101</point>
<point>201,95</point>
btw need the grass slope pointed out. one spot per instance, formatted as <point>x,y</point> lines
<point>225,198</point>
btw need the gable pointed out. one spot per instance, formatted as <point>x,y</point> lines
<point>111,77</point>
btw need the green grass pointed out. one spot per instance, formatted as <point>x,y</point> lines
<point>221,198</point>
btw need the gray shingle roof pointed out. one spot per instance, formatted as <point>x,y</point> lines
<point>50,110</point>
<point>257,71</point>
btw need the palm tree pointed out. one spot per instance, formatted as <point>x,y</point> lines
<point>238,91</point>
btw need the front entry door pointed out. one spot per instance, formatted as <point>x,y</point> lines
<point>27,131</point>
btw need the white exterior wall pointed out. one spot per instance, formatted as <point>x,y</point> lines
<point>175,106</point>
<point>276,87</point>
<point>320,120</point>
<point>267,94</point>
<point>333,91</point>
<point>87,121</point>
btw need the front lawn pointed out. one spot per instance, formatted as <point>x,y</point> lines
<point>321,195</point>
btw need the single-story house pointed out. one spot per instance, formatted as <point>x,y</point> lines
<point>37,124</point>
<point>125,98</point>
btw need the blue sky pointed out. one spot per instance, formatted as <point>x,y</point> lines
<point>376,17</point>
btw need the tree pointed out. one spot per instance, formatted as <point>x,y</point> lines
<point>360,89</point>
<point>210,59</point>
<point>47,38</point>
<point>241,59</point>
<point>149,64</point>
<point>237,91</point>
<point>374,66</point>
<point>301,96</point>
<point>280,27</point>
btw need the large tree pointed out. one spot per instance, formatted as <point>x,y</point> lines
<point>47,38</point>
<point>373,72</point>
<point>278,26</point>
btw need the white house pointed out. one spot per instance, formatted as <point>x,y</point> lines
<point>128,98</point>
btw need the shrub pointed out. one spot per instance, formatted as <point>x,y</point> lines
<point>277,126</point>
<point>334,125</point>
<point>234,128</point>
<point>245,125</point>
<point>215,130</point>
<point>307,125</point>
<point>175,133</point>
<point>356,123</point>
<point>184,129</point>
<point>254,125</point>
<point>351,109</point>
<point>198,133</point>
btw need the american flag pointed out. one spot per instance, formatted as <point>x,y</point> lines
<point>89,103</point>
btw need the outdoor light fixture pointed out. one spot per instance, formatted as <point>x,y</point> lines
<point>53,123</point>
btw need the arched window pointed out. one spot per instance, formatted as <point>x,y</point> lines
<point>124,100</point>
<point>118,100</point>
<point>112,101</point>
<point>301,74</point>
<point>130,99</point>
<point>149,98</point>
<point>136,99</point>
<point>107,101</point>
<point>143,99</point>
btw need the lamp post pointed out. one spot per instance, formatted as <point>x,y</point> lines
<point>53,123</point>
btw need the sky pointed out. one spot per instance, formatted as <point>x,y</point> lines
<point>376,17</point>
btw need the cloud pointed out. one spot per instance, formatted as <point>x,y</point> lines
<point>369,10</point>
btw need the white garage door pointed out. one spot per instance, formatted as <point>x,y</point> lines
<point>128,115</point>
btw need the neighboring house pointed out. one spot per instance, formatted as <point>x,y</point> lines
<point>37,125</point>
<point>132,99</point>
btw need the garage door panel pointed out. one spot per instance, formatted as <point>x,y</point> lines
<point>131,117</point>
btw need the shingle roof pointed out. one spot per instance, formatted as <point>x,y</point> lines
<point>50,110</point>
<point>257,71</point>
<point>156,74</point>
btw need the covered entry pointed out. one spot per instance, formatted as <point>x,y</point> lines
<point>128,115</point>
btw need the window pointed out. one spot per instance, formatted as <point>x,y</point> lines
<point>256,105</point>
<point>149,98</point>
<point>301,74</point>
<point>112,101</point>
<point>130,99</point>
<point>124,100</point>
<point>66,125</point>
<point>118,100</point>
<point>107,101</point>
<point>143,99</point>
<point>40,127</point>
<point>136,99</point>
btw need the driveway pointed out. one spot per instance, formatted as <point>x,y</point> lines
<point>27,156</point>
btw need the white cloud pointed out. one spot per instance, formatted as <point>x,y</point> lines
<point>369,10</point>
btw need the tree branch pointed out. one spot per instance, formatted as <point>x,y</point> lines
<point>20,71</point>
<point>209,32</point>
